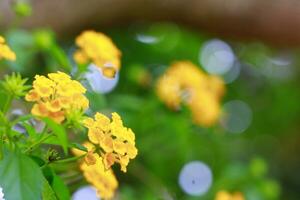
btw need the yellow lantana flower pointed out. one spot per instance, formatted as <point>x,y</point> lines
<point>5,51</point>
<point>185,83</point>
<point>56,96</point>
<point>97,48</point>
<point>224,195</point>
<point>116,142</point>
<point>95,173</point>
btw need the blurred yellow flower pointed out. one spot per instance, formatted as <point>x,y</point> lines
<point>116,141</point>
<point>5,51</point>
<point>102,179</point>
<point>95,173</point>
<point>185,83</point>
<point>188,74</point>
<point>216,86</point>
<point>205,109</point>
<point>56,96</point>
<point>169,91</point>
<point>99,49</point>
<point>224,195</point>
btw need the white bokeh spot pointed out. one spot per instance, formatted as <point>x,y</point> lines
<point>85,193</point>
<point>233,73</point>
<point>98,82</point>
<point>147,39</point>
<point>216,57</point>
<point>195,178</point>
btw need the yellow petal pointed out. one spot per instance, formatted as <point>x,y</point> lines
<point>108,160</point>
<point>90,158</point>
<point>107,144</point>
<point>119,147</point>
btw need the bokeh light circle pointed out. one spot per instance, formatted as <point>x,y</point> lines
<point>195,178</point>
<point>231,75</point>
<point>236,117</point>
<point>216,57</point>
<point>84,193</point>
<point>147,39</point>
<point>98,82</point>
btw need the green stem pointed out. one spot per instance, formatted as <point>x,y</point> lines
<point>63,161</point>
<point>67,160</point>
<point>5,124</point>
<point>8,103</point>
<point>36,144</point>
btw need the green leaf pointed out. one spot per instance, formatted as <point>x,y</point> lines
<point>60,133</point>
<point>52,140</point>
<point>79,146</point>
<point>54,186</point>
<point>60,188</point>
<point>2,120</point>
<point>22,119</point>
<point>20,177</point>
<point>30,130</point>
<point>48,193</point>
<point>39,161</point>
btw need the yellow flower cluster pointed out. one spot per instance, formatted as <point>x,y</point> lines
<point>99,49</point>
<point>116,142</point>
<point>103,180</point>
<point>109,142</point>
<point>224,195</point>
<point>5,51</point>
<point>185,83</point>
<point>56,96</point>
